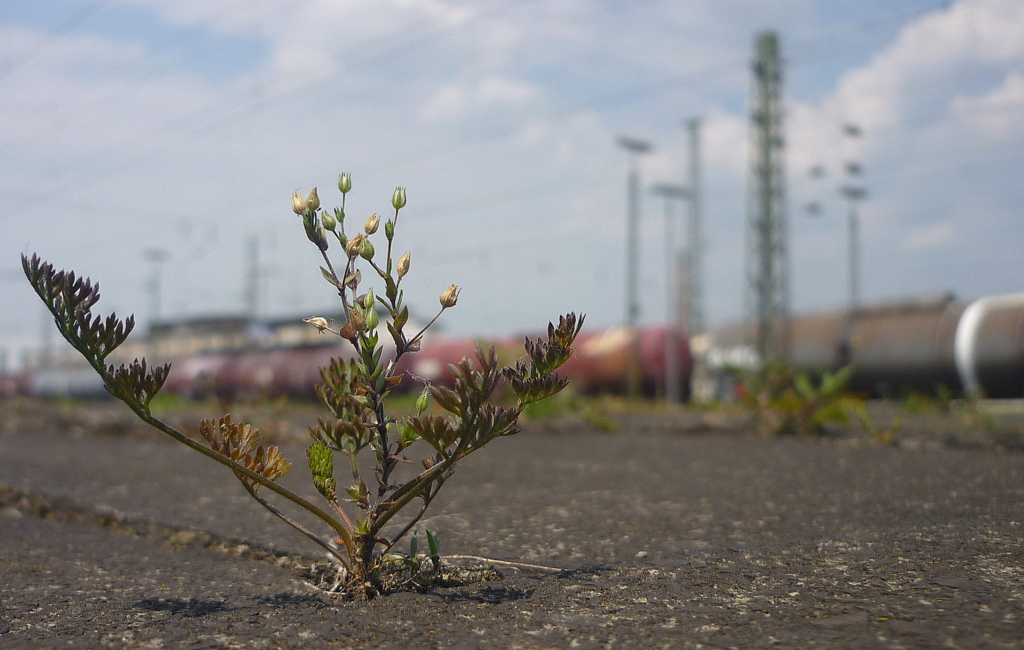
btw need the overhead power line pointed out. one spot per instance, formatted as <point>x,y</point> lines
<point>211,115</point>
<point>52,38</point>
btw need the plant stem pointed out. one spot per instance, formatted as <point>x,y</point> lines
<point>402,533</point>
<point>144,415</point>
<point>341,284</point>
<point>411,490</point>
<point>416,338</point>
<point>299,527</point>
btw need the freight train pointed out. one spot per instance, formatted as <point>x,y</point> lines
<point>975,349</point>
<point>598,365</point>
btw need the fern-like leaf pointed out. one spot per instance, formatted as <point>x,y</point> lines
<point>70,299</point>
<point>135,382</point>
<point>243,445</point>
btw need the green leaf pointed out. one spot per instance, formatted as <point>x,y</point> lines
<point>396,336</point>
<point>803,386</point>
<point>330,277</point>
<point>358,492</point>
<point>242,444</point>
<point>439,432</point>
<point>135,383</point>
<point>402,318</point>
<point>834,384</point>
<point>406,434</point>
<point>321,464</point>
<point>447,399</point>
<point>363,526</point>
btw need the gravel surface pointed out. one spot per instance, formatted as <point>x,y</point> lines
<point>667,539</point>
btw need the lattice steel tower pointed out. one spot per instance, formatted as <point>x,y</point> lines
<point>767,267</point>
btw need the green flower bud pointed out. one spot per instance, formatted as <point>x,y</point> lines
<point>403,264</point>
<point>368,300</point>
<point>366,250</point>
<point>356,319</point>
<point>389,229</point>
<point>372,319</point>
<point>329,222</point>
<point>371,225</point>
<point>423,401</point>
<point>406,433</point>
<point>398,198</point>
<point>344,183</point>
<point>312,227</point>
<point>313,201</point>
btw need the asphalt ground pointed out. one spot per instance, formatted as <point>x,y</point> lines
<point>666,537</point>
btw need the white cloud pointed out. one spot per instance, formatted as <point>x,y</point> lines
<point>456,101</point>
<point>724,139</point>
<point>917,83</point>
<point>81,98</point>
<point>930,239</point>
<point>996,115</point>
<point>941,101</point>
<point>501,118</point>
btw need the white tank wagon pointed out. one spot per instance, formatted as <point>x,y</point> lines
<point>921,345</point>
<point>989,347</point>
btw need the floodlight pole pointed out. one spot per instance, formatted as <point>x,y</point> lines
<point>635,148</point>
<point>157,256</point>
<point>694,323</point>
<point>854,192</point>
<point>673,388</point>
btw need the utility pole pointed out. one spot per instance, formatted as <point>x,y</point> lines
<point>673,388</point>
<point>854,192</point>
<point>252,279</point>
<point>635,148</point>
<point>693,321</point>
<point>157,256</point>
<point>767,273</point>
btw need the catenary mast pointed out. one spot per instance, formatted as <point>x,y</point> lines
<point>767,267</point>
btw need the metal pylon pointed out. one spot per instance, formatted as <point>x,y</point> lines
<point>767,267</point>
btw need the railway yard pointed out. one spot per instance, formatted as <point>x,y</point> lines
<point>803,427</point>
<point>680,528</point>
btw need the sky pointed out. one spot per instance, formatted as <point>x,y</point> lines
<point>184,126</point>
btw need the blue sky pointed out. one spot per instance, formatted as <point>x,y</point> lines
<point>185,125</point>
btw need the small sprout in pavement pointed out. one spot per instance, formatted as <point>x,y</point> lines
<point>362,517</point>
<point>788,402</point>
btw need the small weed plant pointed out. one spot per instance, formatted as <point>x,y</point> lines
<point>362,515</point>
<point>788,401</point>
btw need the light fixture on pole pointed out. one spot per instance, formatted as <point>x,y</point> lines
<point>635,148</point>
